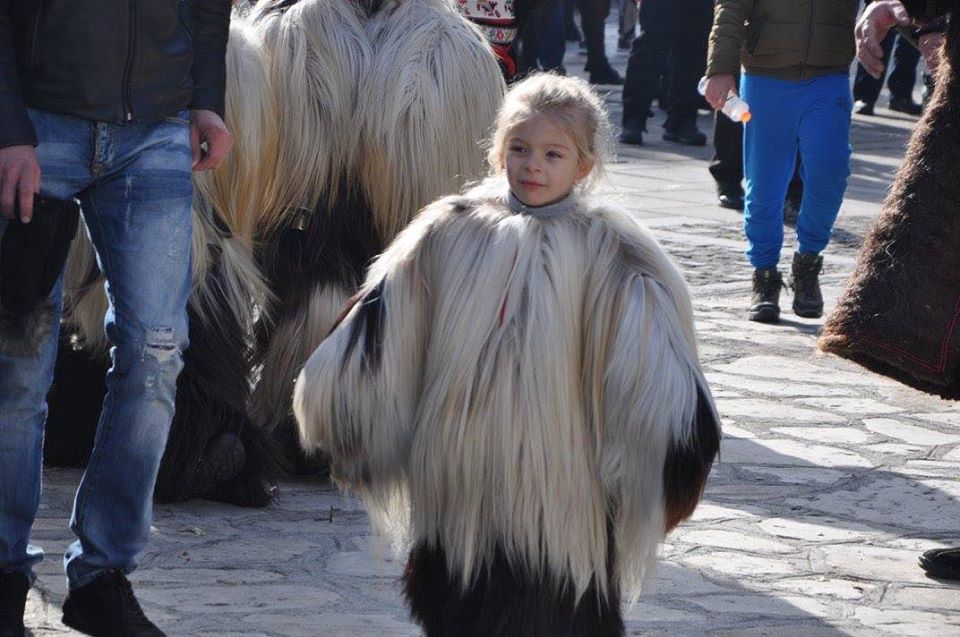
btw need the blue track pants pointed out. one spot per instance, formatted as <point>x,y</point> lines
<point>809,116</point>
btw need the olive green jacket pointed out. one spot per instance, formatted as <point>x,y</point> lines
<point>786,39</point>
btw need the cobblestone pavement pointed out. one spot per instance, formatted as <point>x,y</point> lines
<point>831,479</point>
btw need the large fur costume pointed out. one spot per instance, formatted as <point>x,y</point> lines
<point>900,312</point>
<point>519,398</point>
<point>347,118</point>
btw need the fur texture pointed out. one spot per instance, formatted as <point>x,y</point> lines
<point>531,379</point>
<point>900,312</point>
<point>395,108</point>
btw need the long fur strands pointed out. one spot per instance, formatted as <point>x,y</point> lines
<point>429,99</point>
<point>243,190</point>
<point>528,382</point>
<point>897,315</point>
<point>318,54</point>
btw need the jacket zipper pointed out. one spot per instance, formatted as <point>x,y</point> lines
<point>128,66</point>
<point>806,52</point>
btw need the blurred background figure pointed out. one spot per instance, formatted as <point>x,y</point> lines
<point>672,44</point>
<point>900,82</point>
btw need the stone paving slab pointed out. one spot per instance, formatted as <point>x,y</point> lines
<point>831,480</point>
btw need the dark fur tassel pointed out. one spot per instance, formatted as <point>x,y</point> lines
<point>333,247</point>
<point>505,601</point>
<point>22,334</point>
<point>688,464</point>
<point>900,312</point>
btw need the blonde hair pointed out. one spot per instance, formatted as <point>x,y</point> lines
<point>571,104</point>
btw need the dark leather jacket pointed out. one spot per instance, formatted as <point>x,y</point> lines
<point>109,60</point>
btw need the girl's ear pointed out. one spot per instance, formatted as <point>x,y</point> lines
<point>586,165</point>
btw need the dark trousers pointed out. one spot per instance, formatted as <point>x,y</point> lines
<point>867,89</point>
<point>593,14</point>
<point>542,39</point>
<point>673,37</point>
<point>727,164</point>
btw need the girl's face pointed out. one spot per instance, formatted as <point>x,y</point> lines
<point>542,162</point>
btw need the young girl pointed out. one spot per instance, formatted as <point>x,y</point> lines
<point>516,388</point>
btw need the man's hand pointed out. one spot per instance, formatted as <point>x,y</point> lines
<point>718,88</point>
<point>931,45</point>
<point>207,127</point>
<point>19,180</point>
<point>876,21</point>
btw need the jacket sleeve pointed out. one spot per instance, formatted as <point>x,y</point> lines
<point>357,395</point>
<point>210,26</point>
<point>15,126</point>
<point>727,36</point>
<point>660,430</point>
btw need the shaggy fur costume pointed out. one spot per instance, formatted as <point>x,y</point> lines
<point>518,397</point>
<point>400,96</point>
<point>347,118</point>
<point>900,312</point>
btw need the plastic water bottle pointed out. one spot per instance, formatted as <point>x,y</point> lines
<point>734,108</point>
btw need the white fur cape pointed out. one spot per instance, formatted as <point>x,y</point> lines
<point>504,379</point>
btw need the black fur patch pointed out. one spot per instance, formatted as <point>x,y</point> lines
<point>369,324</point>
<point>686,467</point>
<point>334,247</point>
<point>74,403</point>
<point>503,602</point>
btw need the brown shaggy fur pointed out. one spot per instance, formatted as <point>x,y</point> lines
<point>900,312</point>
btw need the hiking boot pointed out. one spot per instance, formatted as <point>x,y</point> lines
<point>805,281</point>
<point>13,599</point>
<point>765,300</point>
<point>107,607</point>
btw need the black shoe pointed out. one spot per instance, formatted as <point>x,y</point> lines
<point>863,108</point>
<point>905,105</point>
<point>222,460</point>
<point>13,598</point>
<point>804,279</point>
<point>689,136</point>
<point>733,201</point>
<point>606,74</point>
<point>941,563</point>
<point>107,607</point>
<point>765,300</point>
<point>632,136</point>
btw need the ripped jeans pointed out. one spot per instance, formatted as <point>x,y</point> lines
<point>134,185</point>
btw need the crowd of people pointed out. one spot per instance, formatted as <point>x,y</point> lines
<point>557,324</point>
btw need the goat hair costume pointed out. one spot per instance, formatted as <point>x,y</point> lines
<point>348,116</point>
<point>900,312</point>
<point>515,392</point>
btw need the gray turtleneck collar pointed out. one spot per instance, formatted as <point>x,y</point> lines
<point>549,211</point>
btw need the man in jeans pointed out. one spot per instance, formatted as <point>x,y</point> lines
<point>108,101</point>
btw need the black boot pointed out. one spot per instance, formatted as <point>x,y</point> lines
<point>13,599</point>
<point>765,300</point>
<point>107,607</point>
<point>805,281</point>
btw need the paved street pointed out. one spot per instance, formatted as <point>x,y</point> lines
<point>831,480</point>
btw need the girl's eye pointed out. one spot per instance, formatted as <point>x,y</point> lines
<point>517,149</point>
<point>554,155</point>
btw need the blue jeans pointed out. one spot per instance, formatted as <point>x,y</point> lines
<point>134,185</point>
<point>809,116</point>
